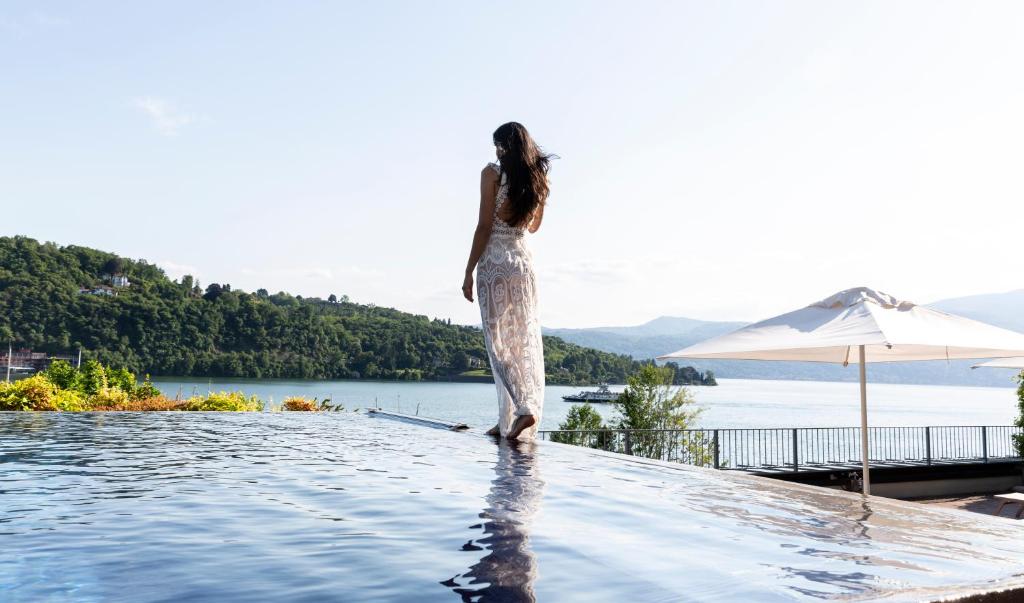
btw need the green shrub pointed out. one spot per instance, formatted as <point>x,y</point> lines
<point>159,403</point>
<point>92,377</point>
<point>95,379</point>
<point>146,391</point>
<point>33,393</point>
<point>62,374</point>
<point>69,400</point>
<point>303,404</point>
<point>224,401</point>
<point>96,387</point>
<point>299,404</point>
<point>120,378</point>
<point>109,396</point>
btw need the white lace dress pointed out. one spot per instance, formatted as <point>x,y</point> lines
<point>507,291</point>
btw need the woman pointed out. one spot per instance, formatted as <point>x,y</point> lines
<point>513,193</point>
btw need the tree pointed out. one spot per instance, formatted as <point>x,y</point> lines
<point>213,291</point>
<point>1018,439</point>
<point>654,412</point>
<point>332,298</point>
<point>582,417</point>
<point>460,361</point>
<point>687,375</point>
<point>156,328</point>
<point>114,265</point>
<point>588,426</point>
<point>649,402</point>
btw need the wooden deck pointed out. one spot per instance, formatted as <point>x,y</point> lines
<point>855,465</point>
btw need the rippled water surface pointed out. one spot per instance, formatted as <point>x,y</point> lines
<point>344,507</point>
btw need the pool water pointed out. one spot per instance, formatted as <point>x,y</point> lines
<point>344,507</point>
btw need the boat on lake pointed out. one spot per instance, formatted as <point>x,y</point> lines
<point>603,394</point>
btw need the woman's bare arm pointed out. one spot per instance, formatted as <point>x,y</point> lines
<point>485,221</point>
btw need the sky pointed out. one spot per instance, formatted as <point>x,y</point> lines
<point>718,160</point>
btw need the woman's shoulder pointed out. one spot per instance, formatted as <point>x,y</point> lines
<point>490,173</point>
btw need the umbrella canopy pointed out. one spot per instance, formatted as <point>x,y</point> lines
<point>1011,363</point>
<point>832,330</point>
<point>861,325</point>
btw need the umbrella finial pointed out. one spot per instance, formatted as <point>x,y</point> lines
<point>861,295</point>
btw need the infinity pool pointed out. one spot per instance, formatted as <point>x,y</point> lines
<point>344,507</point>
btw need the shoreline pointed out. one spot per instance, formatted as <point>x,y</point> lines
<point>489,380</point>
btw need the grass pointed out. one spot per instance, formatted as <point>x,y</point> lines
<point>475,373</point>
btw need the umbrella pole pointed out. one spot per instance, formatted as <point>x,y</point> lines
<point>864,422</point>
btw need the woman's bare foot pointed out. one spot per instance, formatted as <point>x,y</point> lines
<point>521,423</point>
<point>494,431</point>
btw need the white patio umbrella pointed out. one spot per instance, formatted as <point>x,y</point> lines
<point>861,325</point>
<point>1011,363</point>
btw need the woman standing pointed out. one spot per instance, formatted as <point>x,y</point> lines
<point>512,197</point>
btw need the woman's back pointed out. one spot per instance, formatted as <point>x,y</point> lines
<point>503,214</point>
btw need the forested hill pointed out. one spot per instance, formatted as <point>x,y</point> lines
<point>164,327</point>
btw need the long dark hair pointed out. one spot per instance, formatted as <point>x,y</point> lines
<point>526,168</point>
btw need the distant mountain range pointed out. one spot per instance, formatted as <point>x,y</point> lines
<point>1001,309</point>
<point>668,333</point>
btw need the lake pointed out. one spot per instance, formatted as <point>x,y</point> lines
<point>734,403</point>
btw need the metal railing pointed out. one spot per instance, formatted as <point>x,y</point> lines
<point>805,448</point>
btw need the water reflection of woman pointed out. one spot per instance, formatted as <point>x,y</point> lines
<point>509,568</point>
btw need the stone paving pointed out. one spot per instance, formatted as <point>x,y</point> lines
<point>983,503</point>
